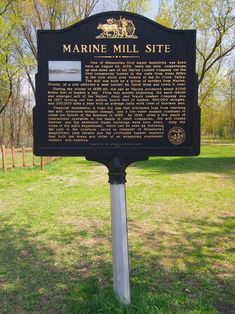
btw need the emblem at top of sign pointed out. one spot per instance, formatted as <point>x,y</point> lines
<point>121,28</point>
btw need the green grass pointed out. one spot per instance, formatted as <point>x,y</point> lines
<point>55,236</point>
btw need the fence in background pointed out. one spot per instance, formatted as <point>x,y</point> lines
<point>22,157</point>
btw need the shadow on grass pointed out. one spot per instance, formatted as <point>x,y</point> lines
<point>32,281</point>
<point>190,164</point>
<point>82,161</point>
<point>31,278</point>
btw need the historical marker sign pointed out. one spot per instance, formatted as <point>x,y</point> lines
<point>116,88</point>
<point>116,84</point>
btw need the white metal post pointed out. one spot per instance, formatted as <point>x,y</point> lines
<point>121,283</point>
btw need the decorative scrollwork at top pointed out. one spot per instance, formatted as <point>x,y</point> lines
<point>121,28</point>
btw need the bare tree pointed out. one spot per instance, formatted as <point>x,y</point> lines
<point>220,46</point>
<point>215,25</point>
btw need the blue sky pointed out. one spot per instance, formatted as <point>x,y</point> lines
<point>153,10</point>
<point>106,5</point>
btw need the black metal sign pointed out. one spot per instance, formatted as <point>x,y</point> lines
<point>116,84</point>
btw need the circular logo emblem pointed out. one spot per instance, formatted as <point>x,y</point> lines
<point>176,135</point>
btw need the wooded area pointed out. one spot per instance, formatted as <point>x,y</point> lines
<point>19,21</point>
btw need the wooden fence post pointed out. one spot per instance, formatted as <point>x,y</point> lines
<point>42,163</point>
<point>4,165</point>
<point>13,156</point>
<point>33,159</point>
<point>23,155</point>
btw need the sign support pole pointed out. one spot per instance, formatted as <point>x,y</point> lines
<point>121,284</point>
<point>117,178</point>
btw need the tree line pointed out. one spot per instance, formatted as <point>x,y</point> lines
<point>19,21</point>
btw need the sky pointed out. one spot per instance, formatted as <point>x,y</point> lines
<point>153,9</point>
<point>106,5</point>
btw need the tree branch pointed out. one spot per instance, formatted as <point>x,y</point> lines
<point>3,107</point>
<point>6,7</point>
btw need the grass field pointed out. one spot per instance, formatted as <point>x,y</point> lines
<point>55,233</point>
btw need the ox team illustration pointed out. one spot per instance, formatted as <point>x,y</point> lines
<point>117,28</point>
